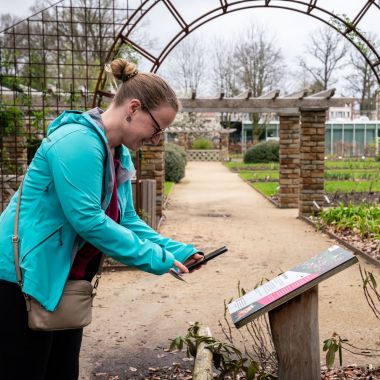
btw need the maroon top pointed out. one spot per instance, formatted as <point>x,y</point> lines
<point>87,259</point>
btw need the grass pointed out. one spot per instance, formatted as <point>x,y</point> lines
<point>345,174</point>
<point>270,188</point>
<point>340,176</point>
<point>348,186</point>
<point>349,164</point>
<point>335,176</point>
<point>267,188</point>
<point>238,166</point>
<point>261,175</point>
<point>168,187</point>
<point>345,165</point>
<point>359,176</point>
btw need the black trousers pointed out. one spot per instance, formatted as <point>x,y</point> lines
<point>33,355</point>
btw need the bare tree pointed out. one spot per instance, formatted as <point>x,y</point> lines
<point>259,65</point>
<point>326,51</point>
<point>258,61</point>
<point>361,81</point>
<point>187,65</point>
<point>223,73</point>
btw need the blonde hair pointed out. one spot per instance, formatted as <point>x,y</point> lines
<point>149,88</point>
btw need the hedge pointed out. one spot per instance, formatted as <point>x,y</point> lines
<point>267,151</point>
<point>202,144</point>
<point>175,162</point>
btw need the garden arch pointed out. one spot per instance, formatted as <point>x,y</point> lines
<point>349,27</point>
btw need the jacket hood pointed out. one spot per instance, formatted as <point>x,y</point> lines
<point>92,119</point>
<point>76,117</point>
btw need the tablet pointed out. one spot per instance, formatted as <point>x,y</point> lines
<point>208,257</point>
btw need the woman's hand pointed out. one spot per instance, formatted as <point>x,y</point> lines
<point>193,259</point>
<point>182,268</point>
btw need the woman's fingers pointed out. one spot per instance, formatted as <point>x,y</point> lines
<point>193,259</point>
<point>181,267</point>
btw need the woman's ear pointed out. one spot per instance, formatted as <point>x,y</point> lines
<point>134,105</point>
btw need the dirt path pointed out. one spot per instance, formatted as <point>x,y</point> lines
<point>136,313</point>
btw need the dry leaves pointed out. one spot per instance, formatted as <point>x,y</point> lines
<point>352,372</point>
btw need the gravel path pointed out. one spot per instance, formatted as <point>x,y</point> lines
<point>136,313</point>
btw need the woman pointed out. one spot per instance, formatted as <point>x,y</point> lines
<point>76,203</point>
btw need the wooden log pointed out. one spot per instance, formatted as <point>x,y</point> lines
<point>281,105</point>
<point>203,360</point>
<point>295,335</point>
<point>325,94</point>
<point>299,94</point>
<point>270,95</point>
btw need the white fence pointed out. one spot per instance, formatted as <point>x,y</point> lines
<point>205,155</point>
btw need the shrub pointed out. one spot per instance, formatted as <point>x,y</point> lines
<point>175,162</point>
<point>202,144</point>
<point>178,149</point>
<point>267,151</point>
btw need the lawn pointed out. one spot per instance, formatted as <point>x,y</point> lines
<point>346,165</point>
<point>271,188</point>
<point>341,176</point>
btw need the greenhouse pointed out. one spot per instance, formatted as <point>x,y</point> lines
<point>351,138</point>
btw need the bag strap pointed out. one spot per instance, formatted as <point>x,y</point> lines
<point>15,242</point>
<point>15,238</point>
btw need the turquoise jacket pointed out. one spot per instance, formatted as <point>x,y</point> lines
<point>66,191</point>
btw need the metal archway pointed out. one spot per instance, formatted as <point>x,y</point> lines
<point>341,23</point>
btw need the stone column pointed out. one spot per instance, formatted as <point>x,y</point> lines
<point>224,143</point>
<point>312,163</point>
<point>289,160</point>
<point>183,140</point>
<point>152,167</point>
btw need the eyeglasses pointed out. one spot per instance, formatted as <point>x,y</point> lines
<point>157,129</point>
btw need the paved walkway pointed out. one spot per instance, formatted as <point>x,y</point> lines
<point>136,312</point>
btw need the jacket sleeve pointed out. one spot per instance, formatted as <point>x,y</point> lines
<point>76,163</point>
<point>132,221</point>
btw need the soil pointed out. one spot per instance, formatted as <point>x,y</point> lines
<point>136,313</point>
<point>354,197</point>
<point>369,245</point>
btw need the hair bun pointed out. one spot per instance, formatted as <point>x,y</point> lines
<point>122,69</point>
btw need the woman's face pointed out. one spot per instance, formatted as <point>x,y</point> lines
<point>146,126</point>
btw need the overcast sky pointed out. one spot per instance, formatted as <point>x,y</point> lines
<point>290,28</point>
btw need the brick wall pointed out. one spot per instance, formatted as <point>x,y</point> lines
<point>289,160</point>
<point>312,154</point>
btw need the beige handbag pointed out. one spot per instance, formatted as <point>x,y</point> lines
<point>75,307</point>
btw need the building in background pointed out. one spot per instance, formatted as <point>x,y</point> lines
<point>347,133</point>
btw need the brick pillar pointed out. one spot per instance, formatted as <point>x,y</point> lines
<point>224,143</point>
<point>183,140</point>
<point>312,163</point>
<point>152,167</point>
<point>289,160</point>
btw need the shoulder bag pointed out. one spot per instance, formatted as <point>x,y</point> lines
<point>74,310</point>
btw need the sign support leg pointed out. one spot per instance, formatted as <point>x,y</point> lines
<point>295,332</point>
